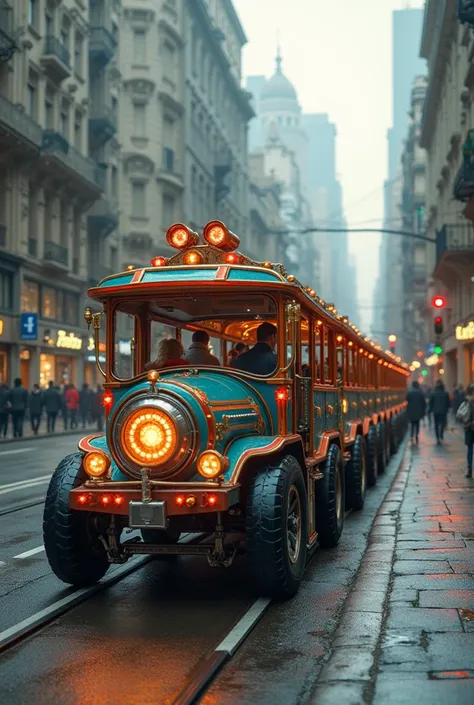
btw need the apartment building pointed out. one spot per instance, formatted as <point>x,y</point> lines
<point>50,177</point>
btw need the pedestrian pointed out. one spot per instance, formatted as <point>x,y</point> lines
<point>85,404</point>
<point>465,415</point>
<point>97,408</point>
<point>36,407</point>
<point>458,398</point>
<point>64,410</point>
<point>72,401</point>
<point>416,405</point>
<point>5,406</point>
<point>52,405</point>
<point>439,405</point>
<point>19,404</point>
<point>429,413</point>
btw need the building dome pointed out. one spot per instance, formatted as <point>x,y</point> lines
<point>278,87</point>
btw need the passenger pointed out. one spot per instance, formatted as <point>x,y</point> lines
<point>241,348</point>
<point>233,355</point>
<point>170,354</point>
<point>261,359</point>
<point>198,352</point>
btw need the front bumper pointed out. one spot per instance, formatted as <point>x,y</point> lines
<point>115,498</point>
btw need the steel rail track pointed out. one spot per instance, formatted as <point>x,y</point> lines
<point>4,512</point>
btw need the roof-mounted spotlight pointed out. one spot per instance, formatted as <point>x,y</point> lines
<point>181,237</point>
<point>218,235</point>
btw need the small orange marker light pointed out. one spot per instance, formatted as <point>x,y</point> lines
<point>232,258</point>
<point>82,499</point>
<point>193,257</point>
<point>282,395</point>
<point>130,267</point>
<point>159,262</point>
<point>180,500</point>
<point>118,499</point>
<point>105,499</point>
<point>339,338</point>
<point>212,499</point>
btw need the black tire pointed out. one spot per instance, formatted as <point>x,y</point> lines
<point>356,475</point>
<point>381,454</point>
<point>395,429</point>
<point>372,456</point>
<point>276,572</point>
<point>71,539</point>
<point>330,499</point>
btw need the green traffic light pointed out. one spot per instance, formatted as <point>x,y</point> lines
<point>438,349</point>
<point>424,372</point>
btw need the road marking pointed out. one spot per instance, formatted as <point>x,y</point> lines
<point>22,482</point>
<point>2,563</point>
<point>25,486</point>
<point>16,451</point>
<point>32,552</point>
<point>236,636</point>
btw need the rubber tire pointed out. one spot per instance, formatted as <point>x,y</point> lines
<point>356,475</point>
<point>395,432</point>
<point>372,458</point>
<point>66,538</point>
<point>388,440</point>
<point>381,454</point>
<point>328,527</point>
<point>266,525</point>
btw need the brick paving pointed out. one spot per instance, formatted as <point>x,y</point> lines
<point>407,631</point>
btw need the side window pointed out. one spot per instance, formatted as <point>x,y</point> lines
<point>124,333</point>
<point>319,352</point>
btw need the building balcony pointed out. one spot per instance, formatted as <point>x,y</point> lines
<point>71,163</point>
<point>102,46</point>
<point>96,273</point>
<point>102,124</point>
<point>15,123</point>
<point>56,256</point>
<point>7,35</point>
<point>3,235</point>
<point>466,12</point>
<point>32,247</point>
<point>167,172</point>
<point>463,189</point>
<point>454,250</point>
<point>56,60</point>
<point>103,217</point>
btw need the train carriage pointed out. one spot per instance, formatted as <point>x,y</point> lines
<point>264,465</point>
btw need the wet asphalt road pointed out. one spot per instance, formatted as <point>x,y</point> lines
<point>141,640</point>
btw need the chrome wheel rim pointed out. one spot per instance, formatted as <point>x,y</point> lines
<point>338,493</point>
<point>294,524</point>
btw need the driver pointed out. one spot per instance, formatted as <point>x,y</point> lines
<point>261,359</point>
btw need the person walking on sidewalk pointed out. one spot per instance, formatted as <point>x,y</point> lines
<point>465,415</point>
<point>416,406</point>
<point>19,402</point>
<point>439,405</point>
<point>36,407</point>
<point>5,405</point>
<point>85,404</point>
<point>458,398</point>
<point>72,400</point>
<point>52,405</point>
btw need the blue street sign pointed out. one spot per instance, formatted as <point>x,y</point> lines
<point>430,348</point>
<point>28,326</point>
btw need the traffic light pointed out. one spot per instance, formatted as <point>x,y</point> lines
<point>439,302</point>
<point>438,325</point>
<point>438,349</point>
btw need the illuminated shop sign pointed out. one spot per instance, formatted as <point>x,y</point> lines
<point>465,332</point>
<point>70,341</point>
<point>432,360</point>
<point>91,345</point>
<point>91,358</point>
<point>1,326</point>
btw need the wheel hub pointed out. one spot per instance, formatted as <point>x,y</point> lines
<point>294,524</point>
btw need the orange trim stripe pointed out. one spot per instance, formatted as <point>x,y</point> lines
<point>85,445</point>
<point>222,273</point>
<point>138,276</point>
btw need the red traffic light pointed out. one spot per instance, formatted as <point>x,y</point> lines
<point>438,302</point>
<point>438,320</point>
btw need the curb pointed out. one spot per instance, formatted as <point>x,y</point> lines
<point>41,436</point>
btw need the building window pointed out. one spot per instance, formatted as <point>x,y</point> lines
<point>48,114</point>
<point>32,12</point>
<point>65,33</point>
<point>78,53</point>
<point>114,182</point>
<point>29,296</point>
<point>78,131</point>
<point>139,119</point>
<point>71,306</point>
<point>6,290</point>
<point>168,210</point>
<point>138,200</point>
<point>48,21</point>
<point>64,120</point>
<point>32,99</point>
<point>139,47</point>
<point>49,303</point>
<point>169,61</point>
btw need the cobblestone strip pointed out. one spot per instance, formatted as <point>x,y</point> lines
<point>348,676</point>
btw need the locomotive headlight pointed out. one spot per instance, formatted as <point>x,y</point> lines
<point>150,436</point>
<point>96,464</point>
<point>211,464</point>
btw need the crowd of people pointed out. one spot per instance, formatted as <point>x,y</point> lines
<point>434,405</point>
<point>76,409</point>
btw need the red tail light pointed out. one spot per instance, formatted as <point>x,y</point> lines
<point>118,500</point>
<point>82,499</point>
<point>232,258</point>
<point>212,499</point>
<point>180,499</point>
<point>105,499</point>
<point>282,395</point>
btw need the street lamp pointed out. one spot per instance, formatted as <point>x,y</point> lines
<point>416,364</point>
<point>392,338</point>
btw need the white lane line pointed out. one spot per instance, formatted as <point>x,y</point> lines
<point>16,451</point>
<point>235,637</point>
<point>22,482</point>
<point>32,552</point>
<point>2,563</point>
<point>26,486</point>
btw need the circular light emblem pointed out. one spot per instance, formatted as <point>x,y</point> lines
<point>96,464</point>
<point>150,436</point>
<point>211,464</point>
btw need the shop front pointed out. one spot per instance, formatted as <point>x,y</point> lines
<point>6,343</point>
<point>464,334</point>
<point>61,357</point>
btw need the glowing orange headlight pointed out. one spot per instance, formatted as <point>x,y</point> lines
<point>149,437</point>
<point>193,257</point>
<point>181,237</point>
<point>218,235</point>
<point>96,464</point>
<point>211,464</point>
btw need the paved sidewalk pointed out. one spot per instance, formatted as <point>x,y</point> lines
<point>406,636</point>
<point>29,435</point>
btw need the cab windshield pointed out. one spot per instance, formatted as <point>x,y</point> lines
<point>228,319</point>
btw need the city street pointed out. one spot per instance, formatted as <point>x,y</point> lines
<point>383,618</point>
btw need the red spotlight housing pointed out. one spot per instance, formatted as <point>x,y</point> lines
<point>218,235</point>
<point>159,262</point>
<point>181,237</point>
